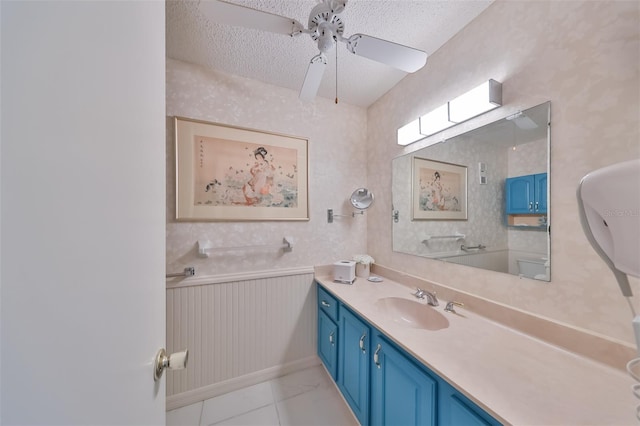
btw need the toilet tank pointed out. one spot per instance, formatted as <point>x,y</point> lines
<point>532,268</point>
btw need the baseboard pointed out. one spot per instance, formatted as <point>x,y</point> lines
<point>201,394</point>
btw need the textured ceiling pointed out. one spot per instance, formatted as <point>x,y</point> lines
<point>282,61</point>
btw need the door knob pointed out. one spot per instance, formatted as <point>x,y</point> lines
<point>175,361</point>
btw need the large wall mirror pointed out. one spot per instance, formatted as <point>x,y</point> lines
<point>479,199</point>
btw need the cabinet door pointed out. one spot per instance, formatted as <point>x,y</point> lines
<point>456,409</point>
<point>328,343</point>
<point>401,393</point>
<point>540,185</point>
<point>353,378</point>
<point>520,194</point>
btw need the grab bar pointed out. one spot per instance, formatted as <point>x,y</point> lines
<point>188,272</point>
<point>457,236</point>
<point>478,247</point>
<point>205,246</point>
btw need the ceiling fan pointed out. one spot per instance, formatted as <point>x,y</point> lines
<point>326,28</point>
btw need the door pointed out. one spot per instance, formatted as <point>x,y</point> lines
<point>541,192</point>
<point>401,393</point>
<point>328,343</point>
<point>520,194</point>
<point>353,376</point>
<point>82,212</point>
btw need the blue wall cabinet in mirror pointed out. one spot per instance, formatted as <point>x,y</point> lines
<point>526,194</point>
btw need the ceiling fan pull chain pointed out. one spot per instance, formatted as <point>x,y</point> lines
<point>336,75</point>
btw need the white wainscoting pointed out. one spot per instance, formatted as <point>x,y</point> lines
<point>240,329</point>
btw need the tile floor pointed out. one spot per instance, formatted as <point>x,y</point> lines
<point>306,397</point>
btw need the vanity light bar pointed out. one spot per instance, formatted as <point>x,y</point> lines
<point>435,121</point>
<point>476,101</point>
<point>410,133</point>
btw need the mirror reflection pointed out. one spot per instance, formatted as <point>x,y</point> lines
<point>479,199</point>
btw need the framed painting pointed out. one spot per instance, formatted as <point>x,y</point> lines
<point>227,173</point>
<point>439,190</point>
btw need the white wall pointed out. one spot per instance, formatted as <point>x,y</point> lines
<point>82,219</point>
<point>337,166</point>
<point>583,56</point>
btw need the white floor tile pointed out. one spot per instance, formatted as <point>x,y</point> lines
<point>232,404</point>
<point>265,416</point>
<point>299,382</point>
<point>320,407</point>
<point>185,416</point>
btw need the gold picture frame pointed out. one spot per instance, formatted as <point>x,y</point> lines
<point>439,190</point>
<point>228,173</point>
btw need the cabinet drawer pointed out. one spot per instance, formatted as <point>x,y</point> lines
<point>328,304</point>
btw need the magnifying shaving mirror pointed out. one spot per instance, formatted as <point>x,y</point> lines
<point>361,199</point>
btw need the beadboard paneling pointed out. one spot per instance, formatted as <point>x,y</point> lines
<point>236,328</point>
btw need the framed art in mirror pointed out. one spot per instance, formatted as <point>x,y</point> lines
<point>439,190</point>
<point>227,173</point>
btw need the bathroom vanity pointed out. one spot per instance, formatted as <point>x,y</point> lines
<point>397,360</point>
<point>381,382</point>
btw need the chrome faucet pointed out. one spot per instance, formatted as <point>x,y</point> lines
<point>431,297</point>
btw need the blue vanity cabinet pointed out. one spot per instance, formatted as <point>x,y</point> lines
<point>328,332</point>
<point>382,383</point>
<point>328,344</point>
<point>526,194</point>
<point>354,360</point>
<point>401,392</point>
<point>456,409</point>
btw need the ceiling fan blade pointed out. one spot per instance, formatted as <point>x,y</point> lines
<point>313,77</point>
<point>396,55</point>
<point>241,16</point>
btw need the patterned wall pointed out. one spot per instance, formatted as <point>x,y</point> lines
<point>583,56</point>
<point>337,166</point>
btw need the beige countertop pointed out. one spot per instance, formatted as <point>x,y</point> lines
<point>516,378</point>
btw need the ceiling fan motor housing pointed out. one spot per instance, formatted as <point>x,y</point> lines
<point>325,26</point>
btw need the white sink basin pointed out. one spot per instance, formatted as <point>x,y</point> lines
<point>410,313</point>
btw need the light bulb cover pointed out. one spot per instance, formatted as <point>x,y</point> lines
<point>476,101</point>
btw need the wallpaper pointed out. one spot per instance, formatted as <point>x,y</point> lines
<point>581,56</point>
<point>337,166</point>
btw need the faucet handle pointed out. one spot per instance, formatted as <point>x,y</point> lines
<point>450,306</point>
<point>419,293</point>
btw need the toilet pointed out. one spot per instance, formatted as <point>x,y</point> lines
<point>533,268</point>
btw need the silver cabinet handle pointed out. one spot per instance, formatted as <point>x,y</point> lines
<point>331,338</point>
<point>364,335</point>
<point>536,206</point>
<point>531,206</point>
<point>325,304</point>
<point>376,360</point>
